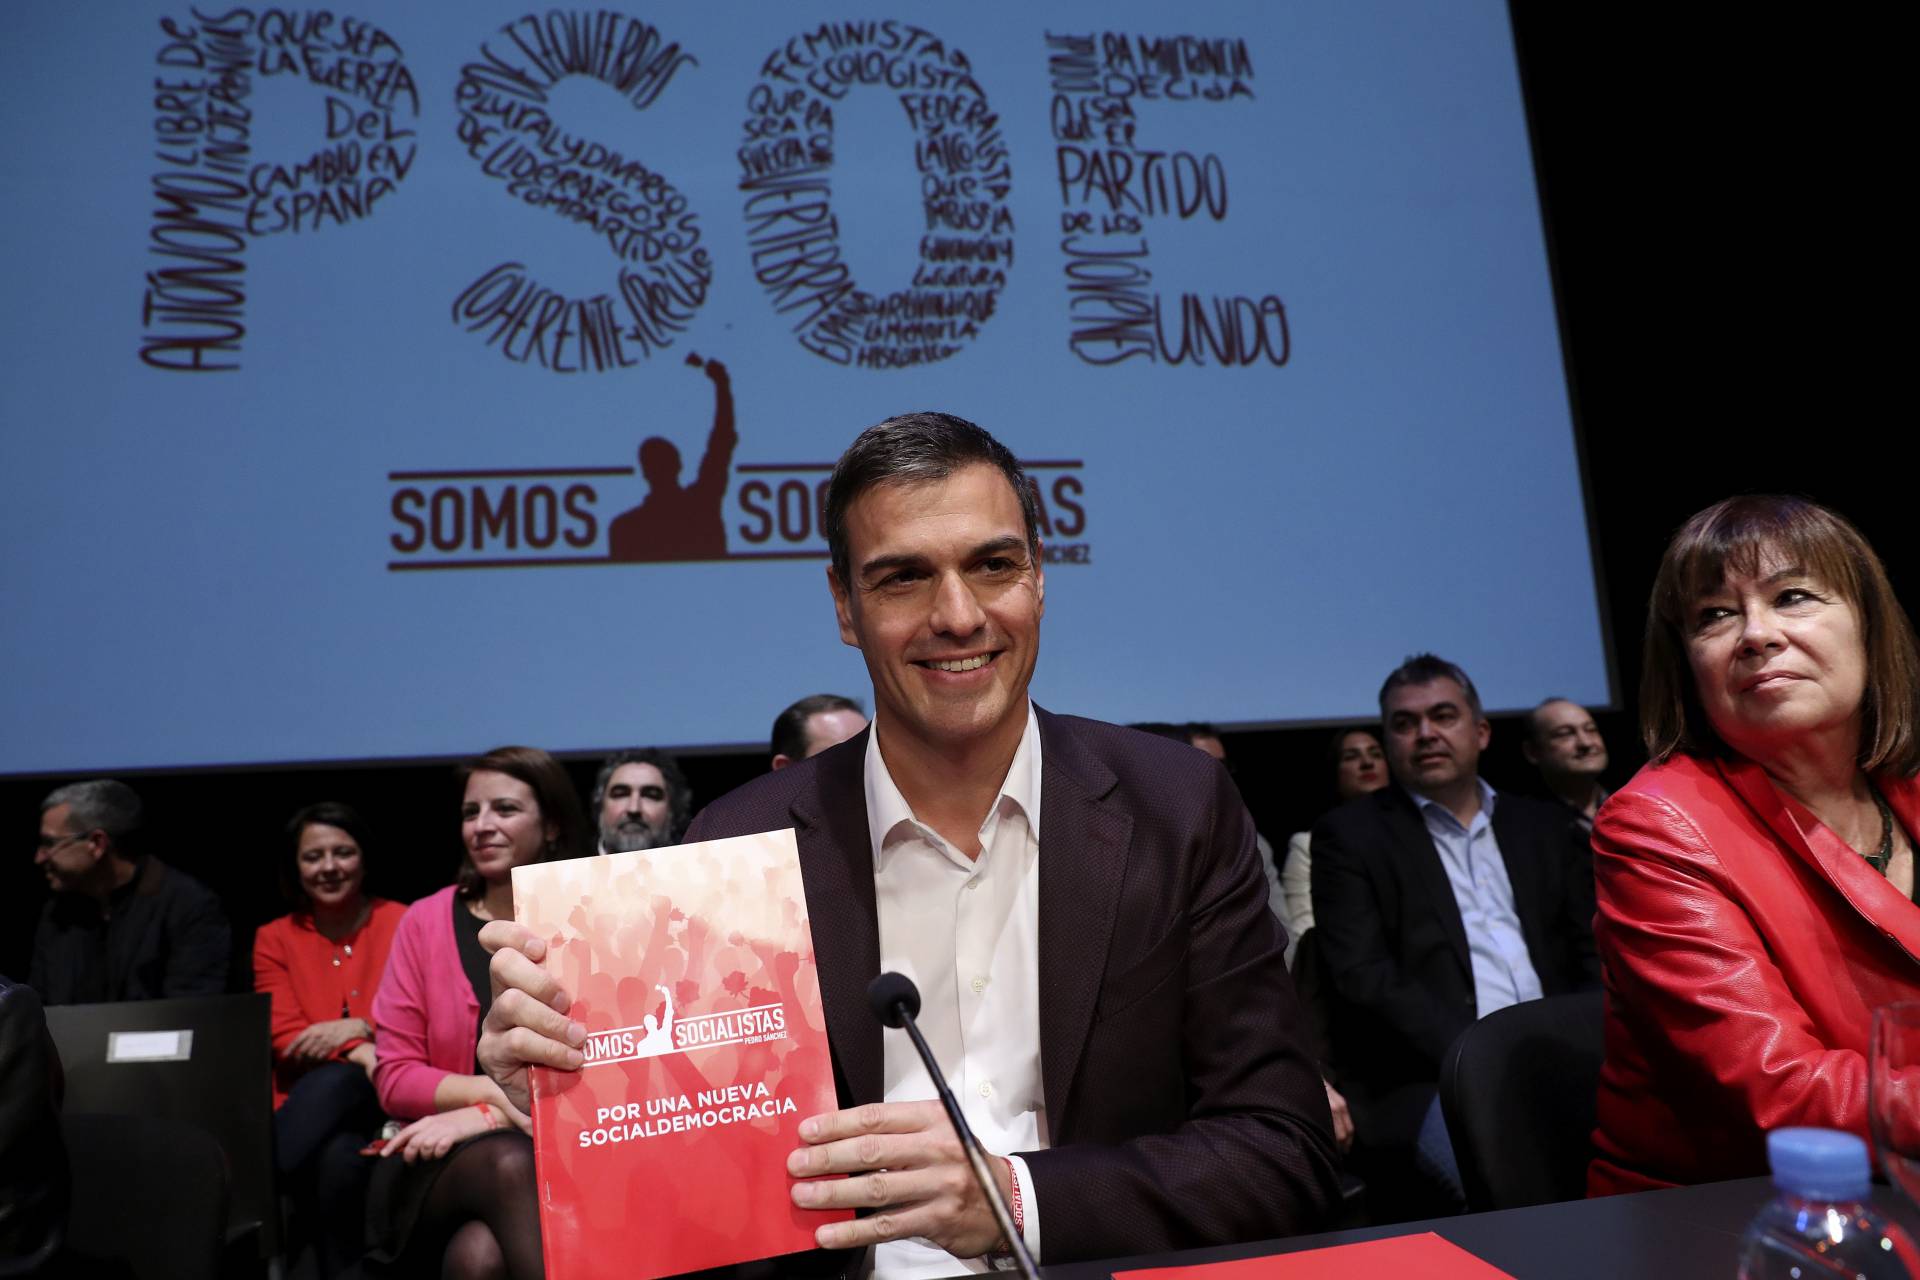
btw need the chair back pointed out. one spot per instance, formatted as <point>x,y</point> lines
<point>1517,1089</point>
<point>149,1196</point>
<point>206,1061</point>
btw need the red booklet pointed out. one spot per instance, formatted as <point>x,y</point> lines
<point>1426,1255</point>
<point>692,969</point>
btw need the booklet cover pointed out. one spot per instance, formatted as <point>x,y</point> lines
<point>692,969</point>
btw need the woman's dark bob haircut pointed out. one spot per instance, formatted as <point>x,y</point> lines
<point>1736,536</point>
<point>330,813</point>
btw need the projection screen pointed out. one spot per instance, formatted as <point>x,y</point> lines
<point>395,380</point>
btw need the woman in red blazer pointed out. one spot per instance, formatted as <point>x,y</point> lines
<point>321,965</point>
<point>1756,880</point>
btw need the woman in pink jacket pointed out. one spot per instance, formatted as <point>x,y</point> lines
<point>456,1192</point>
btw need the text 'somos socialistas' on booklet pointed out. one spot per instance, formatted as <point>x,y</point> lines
<point>692,969</point>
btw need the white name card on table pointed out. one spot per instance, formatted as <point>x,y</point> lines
<point>149,1046</point>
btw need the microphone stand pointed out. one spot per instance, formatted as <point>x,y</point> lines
<point>976,1154</point>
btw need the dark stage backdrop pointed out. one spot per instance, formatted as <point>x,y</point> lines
<point>1706,215</point>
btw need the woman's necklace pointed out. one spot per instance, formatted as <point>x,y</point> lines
<point>1879,859</point>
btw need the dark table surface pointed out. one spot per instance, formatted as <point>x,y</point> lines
<point>1690,1233</point>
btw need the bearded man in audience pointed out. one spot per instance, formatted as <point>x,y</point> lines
<point>641,800</point>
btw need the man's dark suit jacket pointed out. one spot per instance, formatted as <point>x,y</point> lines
<point>34,1183</point>
<point>1183,1107</point>
<point>164,934</point>
<point>1394,949</point>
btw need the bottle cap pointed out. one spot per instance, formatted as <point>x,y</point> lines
<point>1819,1164</point>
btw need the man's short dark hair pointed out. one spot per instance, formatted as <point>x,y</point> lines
<point>1425,668</point>
<point>679,794</point>
<point>790,726</point>
<point>100,804</point>
<point>916,448</point>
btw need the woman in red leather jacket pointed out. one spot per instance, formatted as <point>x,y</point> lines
<point>1756,880</point>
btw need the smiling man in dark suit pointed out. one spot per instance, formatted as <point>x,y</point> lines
<point>1435,902</point>
<point>1081,906</point>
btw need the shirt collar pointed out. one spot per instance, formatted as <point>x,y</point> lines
<point>887,808</point>
<point>1428,807</point>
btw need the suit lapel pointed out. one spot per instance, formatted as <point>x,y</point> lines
<point>1525,875</point>
<point>1083,858</point>
<point>1413,845</point>
<point>1865,889</point>
<point>836,865</point>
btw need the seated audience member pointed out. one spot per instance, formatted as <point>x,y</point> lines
<point>1203,737</point>
<point>1565,745</point>
<point>1756,878</point>
<point>1359,768</point>
<point>1436,902</point>
<point>813,724</point>
<point>321,964</point>
<point>642,801</point>
<point>454,1194</point>
<point>34,1189</point>
<point>122,925</point>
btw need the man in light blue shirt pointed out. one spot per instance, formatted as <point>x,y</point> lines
<point>1436,902</point>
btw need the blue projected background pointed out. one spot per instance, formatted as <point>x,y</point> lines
<point>334,337</point>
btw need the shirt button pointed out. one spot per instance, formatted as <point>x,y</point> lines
<point>973,884</point>
<point>979,985</point>
<point>986,1088</point>
<point>336,962</point>
<point>356,991</point>
<point>348,948</point>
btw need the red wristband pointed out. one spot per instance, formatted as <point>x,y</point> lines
<point>1014,1204</point>
<point>486,1113</point>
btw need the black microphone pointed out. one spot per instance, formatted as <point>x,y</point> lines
<point>895,1001</point>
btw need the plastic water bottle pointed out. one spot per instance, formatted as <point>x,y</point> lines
<point>1819,1226</point>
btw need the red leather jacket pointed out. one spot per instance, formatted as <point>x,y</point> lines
<point>1744,948</point>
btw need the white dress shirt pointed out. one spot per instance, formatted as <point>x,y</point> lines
<point>967,931</point>
<point>1295,907</point>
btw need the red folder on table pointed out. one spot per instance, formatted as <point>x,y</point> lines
<point>1425,1255</point>
<point>692,969</point>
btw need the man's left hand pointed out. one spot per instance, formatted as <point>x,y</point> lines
<point>905,1163</point>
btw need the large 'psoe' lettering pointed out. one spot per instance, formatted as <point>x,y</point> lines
<point>215,196</point>
<point>786,162</point>
<point>507,128</point>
